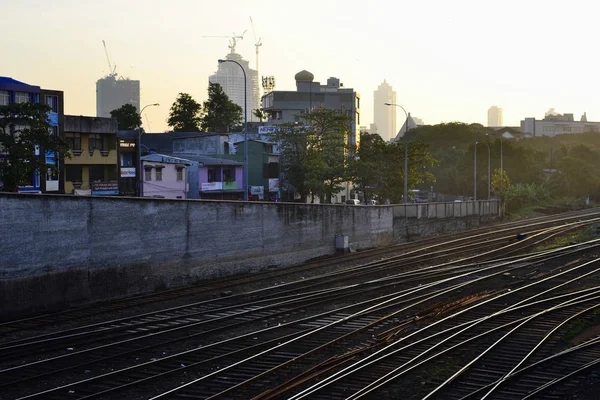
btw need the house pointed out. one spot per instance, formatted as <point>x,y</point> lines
<point>93,166</point>
<point>166,176</point>
<point>219,178</point>
<point>13,91</point>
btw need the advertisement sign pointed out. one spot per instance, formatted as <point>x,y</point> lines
<point>262,130</point>
<point>105,188</point>
<point>206,186</point>
<point>128,172</point>
<point>53,119</point>
<point>274,185</point>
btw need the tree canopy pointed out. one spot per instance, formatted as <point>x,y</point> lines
<point>127,117</point>
<point>313,153</point>
<point>220,113</point>
<point>378,168</point>
<point>25,131</point>
<point>185,114</point>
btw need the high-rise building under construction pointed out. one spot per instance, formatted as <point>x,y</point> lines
<point>112,92</point>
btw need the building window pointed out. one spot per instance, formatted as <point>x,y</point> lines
<point>126,159</point>
<point>159,174</point>
<point>22,97</point>
<point>74,140</point>
<point>73,173</point>
<point>95,142</point>
<point>148,173</point>
<point>4,98</point>
<point>228,174</point>
<point>96,173</point>
<point>52,101</point>
<point>179,174</point>
<point>212,175</point>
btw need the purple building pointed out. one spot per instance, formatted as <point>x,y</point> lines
<point>219,178</point>
<point>166,176</point>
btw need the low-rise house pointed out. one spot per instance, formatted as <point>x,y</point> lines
<point>219,178</point>
<point>166,176</point>
<point>93,166</point>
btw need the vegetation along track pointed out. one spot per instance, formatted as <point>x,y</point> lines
<point>277,342</point>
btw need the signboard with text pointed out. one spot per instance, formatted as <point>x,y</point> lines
<point>128,172</point>
<point>105,188</point>
<point>206,186</point>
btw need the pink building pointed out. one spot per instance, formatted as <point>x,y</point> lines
<point>165,176</point>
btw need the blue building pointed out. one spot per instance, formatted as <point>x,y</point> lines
<point>13,91</point>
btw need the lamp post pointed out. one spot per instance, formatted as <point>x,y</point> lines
<point>475,169</point>
<point>245,127</point>
<point>405,199</point>
<point>501,166</point>
<point>489,175</point>
<point>139,149</point>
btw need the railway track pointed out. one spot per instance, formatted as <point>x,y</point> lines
<point>285,340</point>
<point>215,288</point>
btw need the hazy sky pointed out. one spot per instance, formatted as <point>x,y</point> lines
<point>447,60</point>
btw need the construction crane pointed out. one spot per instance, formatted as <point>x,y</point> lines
<point>232,39</point>
<point>111,68</point>
<point>257,43</point>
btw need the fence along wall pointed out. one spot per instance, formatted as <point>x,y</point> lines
<point>62,250</point>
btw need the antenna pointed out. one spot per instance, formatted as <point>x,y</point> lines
<point>232,39</point>
<point>111,68</point>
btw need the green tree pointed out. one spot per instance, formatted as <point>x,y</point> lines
<point>313,153</point>
<point>220,113</point>
<point>260,114</point>
<point>185,114</point>
<point>575,178</point>
<point>367,164</point>
<point>501,185</point>
<point>23,129</point>
<point>127,117</point>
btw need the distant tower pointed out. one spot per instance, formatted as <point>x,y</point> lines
<point>385,116</point>
<point>113,93</point>
<point>231,79</point>
<point>495,116</point>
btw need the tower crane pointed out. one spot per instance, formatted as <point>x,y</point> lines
<point>232,39</point>
<point>111,68</point>
<point>257,43</point>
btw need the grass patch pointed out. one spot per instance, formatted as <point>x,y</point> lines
<point>577,236</point>
<point>577,326</point>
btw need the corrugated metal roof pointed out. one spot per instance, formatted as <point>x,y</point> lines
<point>165,158</point>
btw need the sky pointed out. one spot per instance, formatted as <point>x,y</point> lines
<point>447,60</point>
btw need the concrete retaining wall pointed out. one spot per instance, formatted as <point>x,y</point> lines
<point>57,251</point>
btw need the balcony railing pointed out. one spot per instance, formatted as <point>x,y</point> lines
<point>90,156</point>
<point>208,186</point>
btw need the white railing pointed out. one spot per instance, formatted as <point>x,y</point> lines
<point>448,210</point>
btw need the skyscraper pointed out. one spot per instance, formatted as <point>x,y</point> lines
<point>385,116</point>
<point>113,93</point>
<point>495,116</point>
<point>231,78</point>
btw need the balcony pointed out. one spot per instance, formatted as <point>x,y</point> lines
<point>98,157</point>
<point>213,186</point>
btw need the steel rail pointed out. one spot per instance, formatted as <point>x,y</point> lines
<point>365,362</point>
<point>257,355</point>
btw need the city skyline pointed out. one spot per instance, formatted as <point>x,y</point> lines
<point>384,117</point>
<point>433,58</point>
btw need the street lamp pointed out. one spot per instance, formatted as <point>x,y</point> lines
<point>404,200</point>
<point>245,128</point>
<point>489,176</point>
<point>139,150</point>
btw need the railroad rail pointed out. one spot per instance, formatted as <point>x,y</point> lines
<point>344,331</point>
